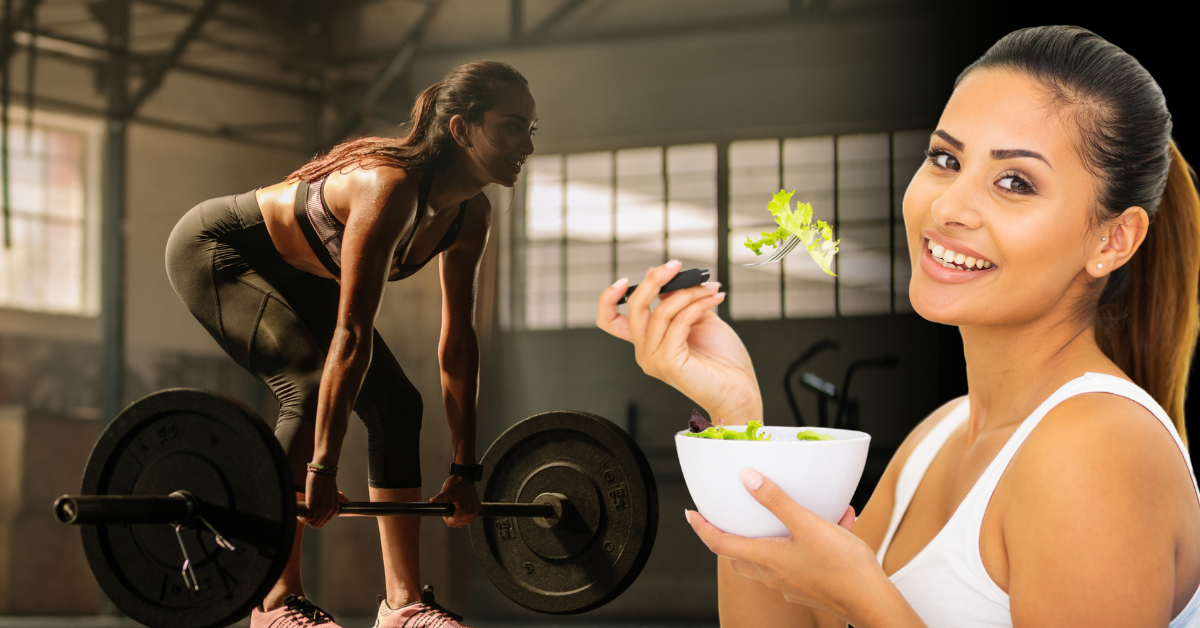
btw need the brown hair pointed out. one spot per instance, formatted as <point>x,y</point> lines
<point>468,90</point>
<point>1146,312</point>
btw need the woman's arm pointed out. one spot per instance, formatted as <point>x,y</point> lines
<point>458,352</point>
<point>381,201</point>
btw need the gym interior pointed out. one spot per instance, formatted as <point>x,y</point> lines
<point>664,128</point>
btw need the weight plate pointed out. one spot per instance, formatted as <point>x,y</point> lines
<point>594,554</point>
<point>220,451</point>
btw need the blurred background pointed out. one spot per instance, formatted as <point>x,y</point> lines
<point>665,127</point>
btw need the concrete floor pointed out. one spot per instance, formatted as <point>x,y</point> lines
<point>347,622</point>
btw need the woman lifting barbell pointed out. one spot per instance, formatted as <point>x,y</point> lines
<point>288,280</point>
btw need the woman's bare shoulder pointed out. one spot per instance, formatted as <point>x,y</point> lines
<point>1094,441</point>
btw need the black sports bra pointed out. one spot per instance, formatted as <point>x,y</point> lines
<point>324,231</point>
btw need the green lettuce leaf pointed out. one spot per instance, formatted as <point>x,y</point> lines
<point>721,433</point>
<point>811,435</point>
<point>817,237</point>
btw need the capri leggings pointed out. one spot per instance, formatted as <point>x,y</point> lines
<point>277,321</point>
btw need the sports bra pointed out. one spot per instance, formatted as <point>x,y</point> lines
<point>324,231</point>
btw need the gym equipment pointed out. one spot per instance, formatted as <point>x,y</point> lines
<point>189,510</point>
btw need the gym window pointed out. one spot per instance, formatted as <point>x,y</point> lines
<point>50,262</point>
<point>581,220</point>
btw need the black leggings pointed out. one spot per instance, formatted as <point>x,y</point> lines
<point>277,321</point>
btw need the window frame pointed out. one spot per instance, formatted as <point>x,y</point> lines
<point>92,131</point>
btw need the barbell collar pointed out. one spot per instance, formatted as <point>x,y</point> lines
<point>179,507</point>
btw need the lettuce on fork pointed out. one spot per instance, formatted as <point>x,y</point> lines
<point>817,238</point>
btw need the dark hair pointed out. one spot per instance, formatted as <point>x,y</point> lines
<point>1146,311</point>
<point>468,90</point>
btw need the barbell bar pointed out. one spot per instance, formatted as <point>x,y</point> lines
<point>182,508</point>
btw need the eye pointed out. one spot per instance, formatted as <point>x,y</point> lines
<point>943,159</point>
<point>1015,183</point>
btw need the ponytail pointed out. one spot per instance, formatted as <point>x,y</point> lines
<point>1149,329</point>
<point>468,90</point>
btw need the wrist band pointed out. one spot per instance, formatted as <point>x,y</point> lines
<point>473,472</point>
<point>321,469</point>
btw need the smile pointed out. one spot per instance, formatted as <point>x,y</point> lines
<point>517,162</point>
<point>948,258</point>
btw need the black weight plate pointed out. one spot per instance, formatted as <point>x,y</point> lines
<point>220,451</point>
<point>592,556</point>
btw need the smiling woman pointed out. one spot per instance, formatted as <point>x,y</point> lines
<point>1056,224</point>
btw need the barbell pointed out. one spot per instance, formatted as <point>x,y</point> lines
<point>188,511</point>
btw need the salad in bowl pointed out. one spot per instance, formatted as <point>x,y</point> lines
<point>817,467</point>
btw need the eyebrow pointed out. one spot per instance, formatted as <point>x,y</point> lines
<point>1013,153</point>
<point>997,153</point>
<point>519,117</point>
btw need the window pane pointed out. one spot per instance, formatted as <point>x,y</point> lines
<point>544,229</point>
<point>641,216</point>
<point>754,176</point>
<point>808,169</point>
<point>908,155</point>
<point>43,269</point>
<point>692,206</point>
<point>864,264</point>
<point>589,234</point>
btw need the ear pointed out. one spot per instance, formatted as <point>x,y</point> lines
<point>1117,241</point>
<point>458,130</point>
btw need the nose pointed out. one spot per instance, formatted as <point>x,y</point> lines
<point>527,144</point>
<point>958,205</point>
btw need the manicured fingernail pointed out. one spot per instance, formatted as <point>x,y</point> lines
<point>621,283</point>
<point>751,479</point>
<point>711,285</point>
<point>673,265</point>
<point>687,514</point>
<point>719,295</point>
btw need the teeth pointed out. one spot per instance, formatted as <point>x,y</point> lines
<point>957,261</point>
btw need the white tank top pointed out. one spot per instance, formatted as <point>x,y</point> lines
<point>946,583</point>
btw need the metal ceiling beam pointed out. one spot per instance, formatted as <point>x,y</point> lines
<point>898,10</point>
<point>91,51</point>
<point>555,18</point>
<point>177,7</point>
<point>158,69</point>
<point>399,64</point>
<point>229,132</point>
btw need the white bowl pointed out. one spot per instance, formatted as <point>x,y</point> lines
<point>820,475</point>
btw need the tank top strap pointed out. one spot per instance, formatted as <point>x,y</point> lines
<point>980,495</point>
<point>918,463</point>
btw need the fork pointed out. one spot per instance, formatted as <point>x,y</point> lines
<point>780,252</point>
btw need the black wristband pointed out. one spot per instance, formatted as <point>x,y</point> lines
<point>472,472</point>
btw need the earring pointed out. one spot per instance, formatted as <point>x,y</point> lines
<point>1099,265</point>
<point>1103,239</point>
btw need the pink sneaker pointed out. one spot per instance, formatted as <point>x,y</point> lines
<point>296,612</point>
<point>424,614</point>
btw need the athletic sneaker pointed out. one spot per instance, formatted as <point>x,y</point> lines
<point>424,614</point>
<point>296,612</point>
